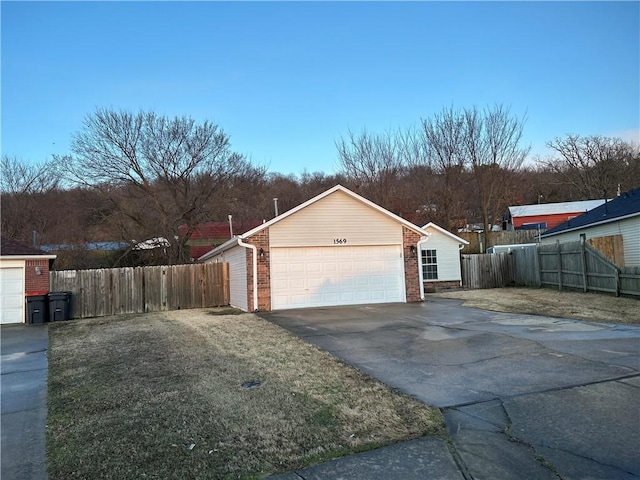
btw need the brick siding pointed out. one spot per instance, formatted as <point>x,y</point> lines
<point>261,241</point>
<point>411,275</point>
<point>36,284</point>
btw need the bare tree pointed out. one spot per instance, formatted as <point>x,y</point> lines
<point>492,147</point>
<point>157,172</point>
<point>21,177</point>
<point>373,163</point>
<point>442,142</point>
<point>24,185</point>
<point>595,166</point>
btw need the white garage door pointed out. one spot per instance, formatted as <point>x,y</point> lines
<point>341,275</point>
<point>11,295</point>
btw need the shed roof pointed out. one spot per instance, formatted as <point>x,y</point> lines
<point>554,208</point>
<point>625,206</point>
<point>234,241</point>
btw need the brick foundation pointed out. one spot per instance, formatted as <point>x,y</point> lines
<point>432,287</point>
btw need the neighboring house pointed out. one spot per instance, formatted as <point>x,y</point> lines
<point>336,249</point>
<point>620,216</point>
<point>207,236</point>
<point>440,257</point>
<point>24,271</point>
<point>546,215</point>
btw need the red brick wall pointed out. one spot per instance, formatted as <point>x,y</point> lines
<point>36,284</point>
<point>411,275</point>
<point>261,241</point>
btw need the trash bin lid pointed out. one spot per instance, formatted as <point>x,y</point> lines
<point>59,295</point>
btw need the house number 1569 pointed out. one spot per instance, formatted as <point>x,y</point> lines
<point>339,241</point>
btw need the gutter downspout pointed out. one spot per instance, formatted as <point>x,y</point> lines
<point>420,275</point>
<point>460,247</point>
<point>255,270</point>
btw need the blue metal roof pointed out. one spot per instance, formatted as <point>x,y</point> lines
<point>627,204</point>
<point>104,246</point>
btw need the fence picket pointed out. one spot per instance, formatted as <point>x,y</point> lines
<point>487,270</point>
<point>116,291</point>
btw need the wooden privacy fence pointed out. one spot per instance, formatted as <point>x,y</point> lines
<point>572,265</point>
<point>526,267</point>
<point>487,270</point>
<point>578,265</point>
<point>477,243</point>
<point>114,291</point>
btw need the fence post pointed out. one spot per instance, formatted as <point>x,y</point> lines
<point>617,282</point>
<point>559,256</point>
<point>163,288</point>
<point>583,258</point>
<point>538,263</point>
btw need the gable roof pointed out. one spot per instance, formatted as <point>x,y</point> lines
<point>445,232</point>
<point>625,206</point>
<point>338,188</point>
<point>554,208</point>
<point>12,248</point>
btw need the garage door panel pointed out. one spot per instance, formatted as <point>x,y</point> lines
<point>314,267</point>
<point>341,275</point>
<point>12,295</point>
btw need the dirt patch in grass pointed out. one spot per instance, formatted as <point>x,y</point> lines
<point>553,303</point>
<point>161,396</point>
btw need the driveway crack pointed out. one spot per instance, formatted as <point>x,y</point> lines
<point>536,455</point>
<point>590,459</point>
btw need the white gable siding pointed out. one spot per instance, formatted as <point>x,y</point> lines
<point>447,255</point>
<point>237,260</point>
<point>335,217</point>
<point>629,229</point>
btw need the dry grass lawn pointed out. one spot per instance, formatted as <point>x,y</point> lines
<point>160,396</point>
<point>553,303</point>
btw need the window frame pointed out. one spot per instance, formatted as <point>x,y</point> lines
<point>429,264</point>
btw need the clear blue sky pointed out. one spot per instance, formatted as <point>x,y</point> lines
<point>285,80</point>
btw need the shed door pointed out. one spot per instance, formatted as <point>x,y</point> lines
<point>341,275</point>
<point>12,295</point>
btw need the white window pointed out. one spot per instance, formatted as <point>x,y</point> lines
<point>429,265</point>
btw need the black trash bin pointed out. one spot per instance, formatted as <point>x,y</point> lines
<point>59,306</point>
<point>36,309</point>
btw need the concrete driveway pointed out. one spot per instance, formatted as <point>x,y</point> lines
<point>23,404</point>
<point>523,396</point>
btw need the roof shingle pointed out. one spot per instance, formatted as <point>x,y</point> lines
<point>9,247</point>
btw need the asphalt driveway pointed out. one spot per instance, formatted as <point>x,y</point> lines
<point>23,404</point>
<point>524,396</point>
